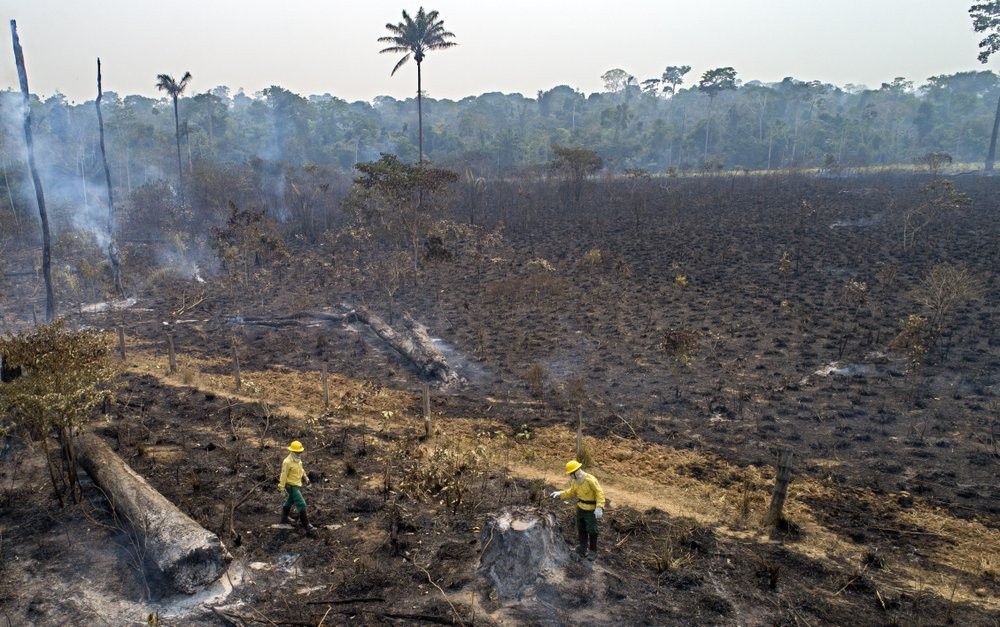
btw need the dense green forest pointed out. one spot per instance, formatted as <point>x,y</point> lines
<point>656,125</point>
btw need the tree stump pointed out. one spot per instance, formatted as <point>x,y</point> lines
<point>522,553</point>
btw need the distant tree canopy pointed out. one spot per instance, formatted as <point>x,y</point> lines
<point>714,82</point>
<point>791,123</point>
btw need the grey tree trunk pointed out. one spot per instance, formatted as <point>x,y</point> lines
<point>22,75</point>
<point>420,114</point>
<point>188,555</point>
<point>113,256</point>
<point>177,134</point>
<point>991,156</point>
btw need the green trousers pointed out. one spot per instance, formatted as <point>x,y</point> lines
<point>295,497</point>
<point>586,522</point>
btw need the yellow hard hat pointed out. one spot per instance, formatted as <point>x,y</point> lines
<point>573,466</point>
<point>296,447</point>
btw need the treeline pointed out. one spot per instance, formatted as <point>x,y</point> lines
<point>791,124</point>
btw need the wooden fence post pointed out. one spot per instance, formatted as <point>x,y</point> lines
<point>326,387</point>
<point>236,367</point>
<point>782,478</point>
<point>172,358</point>
<point>427,410</point>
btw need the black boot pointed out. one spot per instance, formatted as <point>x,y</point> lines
<point>581,548</point>
<point>284,514</point>
<point>593,548</point>
<point>304,521</point>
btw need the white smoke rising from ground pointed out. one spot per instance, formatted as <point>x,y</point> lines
<point>75,190</point>
<point>72,183</point>
<point>193,263</point>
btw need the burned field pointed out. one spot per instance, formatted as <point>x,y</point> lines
<point>696,326</point>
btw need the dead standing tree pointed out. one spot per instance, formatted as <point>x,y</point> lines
<point>22,75</point>
<point>113,256</point>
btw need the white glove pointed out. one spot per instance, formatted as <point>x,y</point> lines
<point>555,494</point>
<point>598,513</point>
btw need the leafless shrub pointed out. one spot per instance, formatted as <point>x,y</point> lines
<point>913,340</point>
<point>886,275</point>
<point>940,199</point>
<point>672,550</point>
<point>448,474</point>
<point>785,262</point>
<point>534,376</point>
<point>680,345</point>
<point>592,258</point>
<point>855,294</point>
<point>945,287</point>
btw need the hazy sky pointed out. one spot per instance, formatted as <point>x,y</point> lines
<point>318,46</point>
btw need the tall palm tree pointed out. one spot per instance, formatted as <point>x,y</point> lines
<point>166,82</point>
<point>416,37</point>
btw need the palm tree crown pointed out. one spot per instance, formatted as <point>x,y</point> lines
<point>416,37</point>
<point>166,82</point>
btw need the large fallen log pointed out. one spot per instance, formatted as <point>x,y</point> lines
<point>188,556</point>
<point>415,345</point>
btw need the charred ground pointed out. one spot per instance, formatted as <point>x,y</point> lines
<point>894,503</point>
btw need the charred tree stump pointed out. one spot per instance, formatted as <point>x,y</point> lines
<point>522,554</point>
<point>189,556</point>
<point>121,342</point>
<point>775,517</point>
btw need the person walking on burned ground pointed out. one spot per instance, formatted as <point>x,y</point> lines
<point>589,506</point>
<point>290,484</point>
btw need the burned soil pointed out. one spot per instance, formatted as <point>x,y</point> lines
<point>696,326</point>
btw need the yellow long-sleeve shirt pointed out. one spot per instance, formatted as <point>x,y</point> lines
<point>589,494</point>
<point>291,472</point>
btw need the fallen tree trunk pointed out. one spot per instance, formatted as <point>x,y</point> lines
<point>188,555</point>
<point>415,345</point>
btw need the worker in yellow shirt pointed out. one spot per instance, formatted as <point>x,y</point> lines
<point>589,506</point>
<point>290,484</point>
